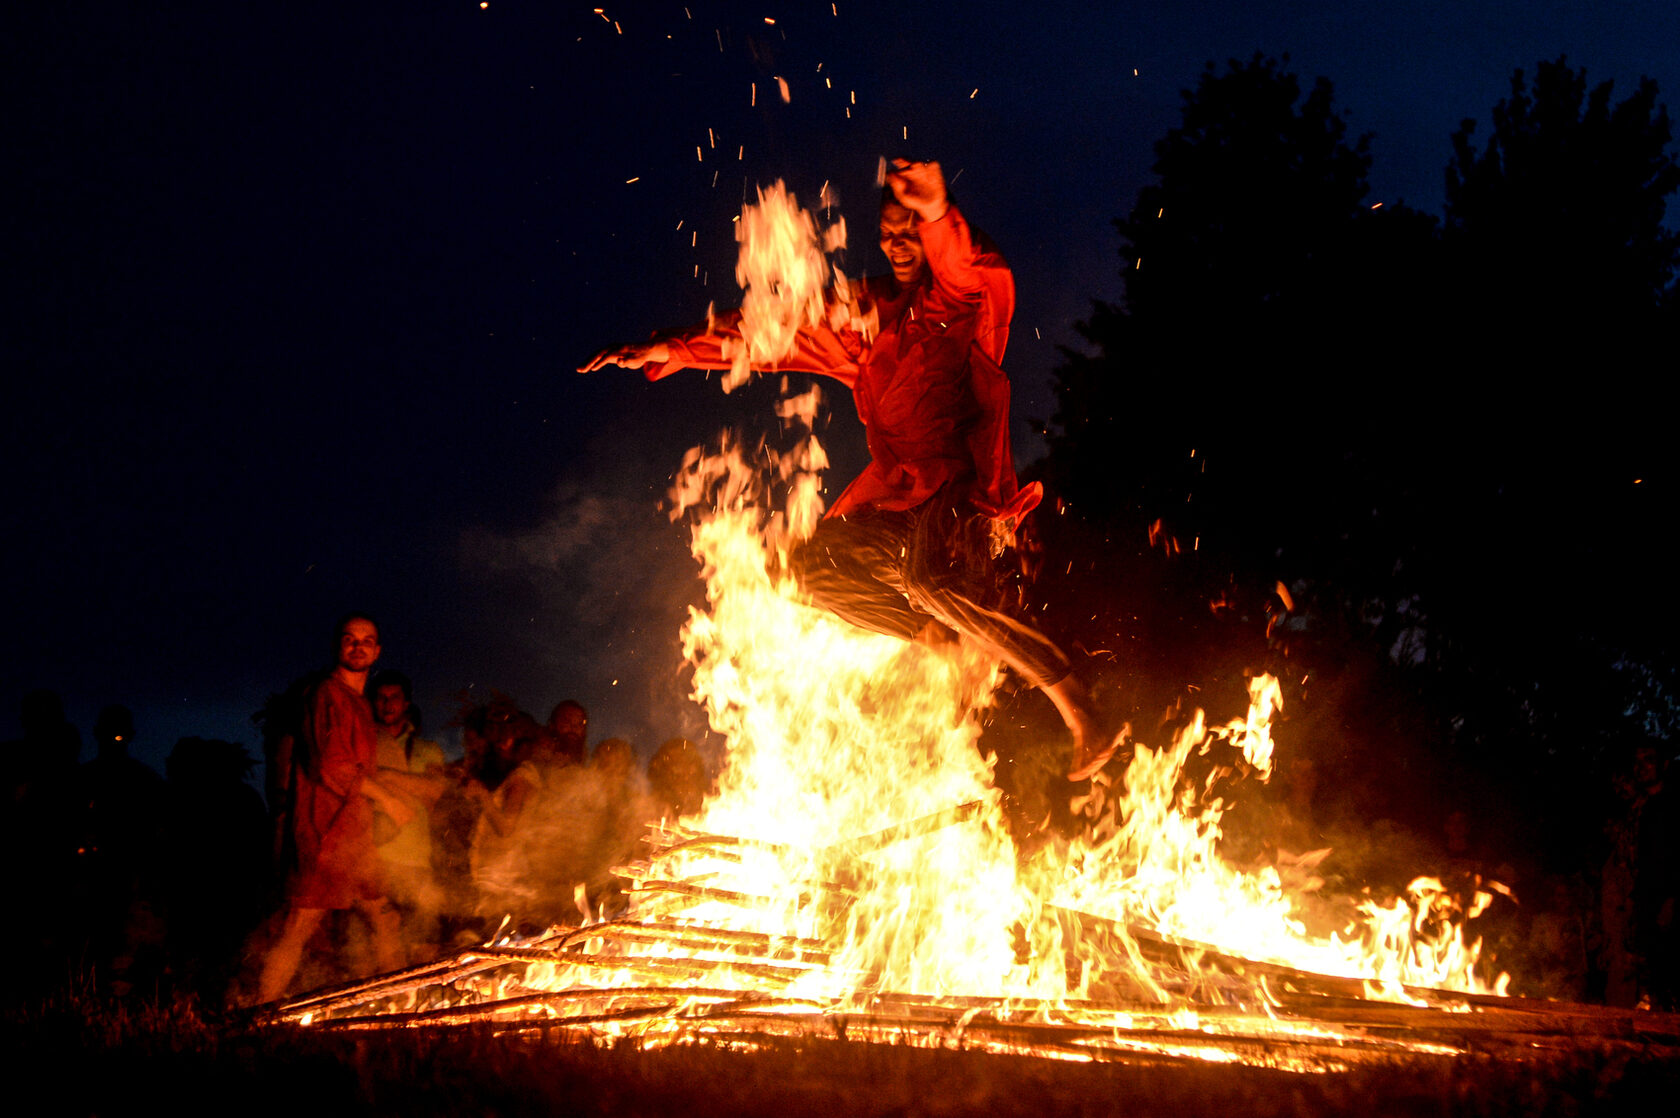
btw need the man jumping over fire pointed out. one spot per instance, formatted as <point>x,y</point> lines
<point>909,548</point>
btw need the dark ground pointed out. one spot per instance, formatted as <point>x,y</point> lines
<point>140,1058</point>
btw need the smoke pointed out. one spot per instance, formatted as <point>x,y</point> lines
<point>574,529</point>
<point>587,603</point>
<point>579,824</point>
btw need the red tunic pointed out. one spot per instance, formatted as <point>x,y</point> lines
<point>332,821</point>
<point>930,388</point>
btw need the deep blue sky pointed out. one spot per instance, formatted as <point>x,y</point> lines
<point>298,289</point>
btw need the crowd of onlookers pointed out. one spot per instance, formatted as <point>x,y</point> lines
<point>375,848</point>
<point>138,882</point>
<point>522,831</point>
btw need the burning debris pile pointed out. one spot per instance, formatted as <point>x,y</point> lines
<point>691,965</point>
<point>854,877</point>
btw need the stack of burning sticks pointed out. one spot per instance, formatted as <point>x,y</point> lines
<point>669,976</point>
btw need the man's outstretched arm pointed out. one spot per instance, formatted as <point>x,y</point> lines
<point>816,349</point>
<point>629,356</point>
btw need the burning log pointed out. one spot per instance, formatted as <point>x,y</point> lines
<point>913,828</point>
<point>663,1000</point>
<point>702,938</point>
<point>686,965</point>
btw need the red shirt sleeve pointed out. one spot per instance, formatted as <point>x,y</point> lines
<point>968,269</point>
<point>817,349</point>
<point>966,266</point>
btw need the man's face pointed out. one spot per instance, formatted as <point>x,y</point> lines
<point>390,705</point>
<point>902,242</point>
<point>358,646</point>
<point>571,724</point>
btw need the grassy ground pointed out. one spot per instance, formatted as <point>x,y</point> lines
<point>135,1057</point>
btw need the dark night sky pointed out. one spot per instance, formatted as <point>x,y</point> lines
<point>297,290</point>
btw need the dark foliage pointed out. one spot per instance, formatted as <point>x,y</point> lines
<point>1444,443</point>
<point>1564,203</point>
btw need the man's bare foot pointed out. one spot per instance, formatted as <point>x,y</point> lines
<point>1095,738</point>
<point>1093,752</point>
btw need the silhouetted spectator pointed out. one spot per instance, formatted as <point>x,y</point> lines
<point>407,850</point>
<point>570,724</point>
<point>281,722</point>
<point>121,812</point>
<point>454,817</point>
<point>614,758</point>
<point>504,787</point>
<point>1556,962</point>
<point>677,778</point>
<point>39,832</point>
<point>215,866</point>
<point>626,808</point>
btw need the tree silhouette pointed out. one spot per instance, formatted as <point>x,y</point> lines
<point>1219,435</point>
<point>1554,657</point>
<point>1446,443</point>
<point>1258,281</point>
<point>1565,200</point>
<point>1263,366</point>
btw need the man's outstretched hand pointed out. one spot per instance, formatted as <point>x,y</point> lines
<point>919,188</point>
<point>629,356</point>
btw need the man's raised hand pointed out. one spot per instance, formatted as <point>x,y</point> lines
<point>628,356</point>
<point>919,188</point>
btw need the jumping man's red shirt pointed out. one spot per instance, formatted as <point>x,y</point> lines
<point>929,388</point>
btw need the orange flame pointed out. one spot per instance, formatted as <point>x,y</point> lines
<point>835,733</point>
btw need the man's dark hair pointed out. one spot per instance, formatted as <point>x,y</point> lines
<point>354,615</point>
<point>390,677</point>
<point>567,704</point>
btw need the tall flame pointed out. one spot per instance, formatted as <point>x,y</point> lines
<point>783,266</point>
<point>869,813</point>
<point>836,735</point>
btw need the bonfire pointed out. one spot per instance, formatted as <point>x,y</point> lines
<point>854,876</point>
